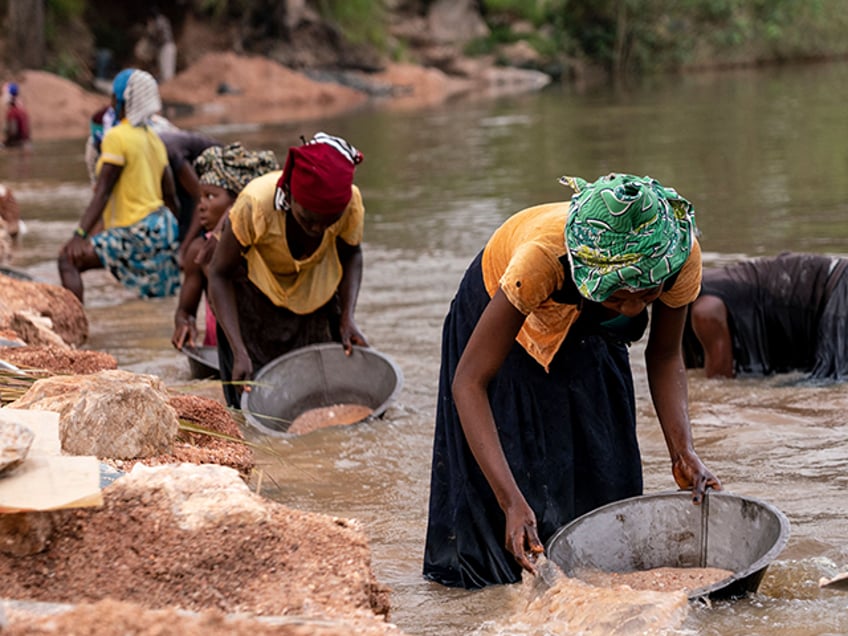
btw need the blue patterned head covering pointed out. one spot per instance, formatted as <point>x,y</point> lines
<point>119,86</point>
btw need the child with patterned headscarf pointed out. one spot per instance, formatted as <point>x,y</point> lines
<point>536,415</point>
<point>287,269</point>
<point>223,172</point>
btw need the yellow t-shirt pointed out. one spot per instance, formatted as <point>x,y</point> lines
<point>142,155</point>
<point>522,258</point>
<point>301,286</point>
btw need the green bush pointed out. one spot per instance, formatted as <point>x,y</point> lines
<point>532,10</point>
<point>66,9</point>
<point>67,65</point>
<point>362,21</point>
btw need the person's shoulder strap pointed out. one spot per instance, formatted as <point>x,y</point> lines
<point>567,294</point>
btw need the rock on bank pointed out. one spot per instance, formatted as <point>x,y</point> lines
<point>227,88</point>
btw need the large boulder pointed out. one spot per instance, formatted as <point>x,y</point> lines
<point>198,496</point>
<point>109,414</point>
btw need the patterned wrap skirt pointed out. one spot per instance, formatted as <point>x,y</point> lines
<point>143,256</point>
<point>569,436</point>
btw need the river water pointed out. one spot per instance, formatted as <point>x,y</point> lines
<point>763,154</point>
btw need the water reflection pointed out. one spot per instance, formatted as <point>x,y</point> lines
<point>762,156</point>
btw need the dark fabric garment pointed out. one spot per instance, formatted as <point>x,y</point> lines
<point>568,294</point>
<point>569,437</point>
<point>831,355</point>
<point>693,352</point>
<point>270,331</point>
<point>786,313</point>
<point>186,214</point>
<point>184,146</point>
<point>17,126</point>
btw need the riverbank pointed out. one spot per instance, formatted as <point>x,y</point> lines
<point>183,541</point>
<point>226,88</point>
<point>177,537</point>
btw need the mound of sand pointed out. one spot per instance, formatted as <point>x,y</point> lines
<point>258,90</point>
<point>58,108</point>
<point>198,541</point>
<point>223,88</point>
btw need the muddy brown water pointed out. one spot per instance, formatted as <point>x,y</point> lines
<point>762,154</point>
<point>662,579</point>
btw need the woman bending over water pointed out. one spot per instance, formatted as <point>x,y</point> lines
<point>536,416</point>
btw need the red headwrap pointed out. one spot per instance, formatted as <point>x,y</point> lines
<point>319,174</point>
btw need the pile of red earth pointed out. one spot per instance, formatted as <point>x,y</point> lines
<point>133,566</point>
<point>56,360</point>
<point>195,539</point>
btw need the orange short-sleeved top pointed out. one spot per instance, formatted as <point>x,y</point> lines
<point>522,258</point>
<point>301,286</point>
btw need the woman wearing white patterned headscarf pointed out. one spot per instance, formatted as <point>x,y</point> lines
<point>141,97</point>
<point>127,226</point>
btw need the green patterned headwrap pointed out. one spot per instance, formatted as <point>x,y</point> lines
<point>625,232</point>
<point>232,167</point>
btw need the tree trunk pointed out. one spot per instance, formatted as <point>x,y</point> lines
<point>620,52</point>
<point>25,24</point>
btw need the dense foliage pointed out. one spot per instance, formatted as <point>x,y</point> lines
<point>622,36</point>
<point>646,35</point>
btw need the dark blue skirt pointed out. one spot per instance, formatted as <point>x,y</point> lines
<point>269,331</point>
<point>569,437</point>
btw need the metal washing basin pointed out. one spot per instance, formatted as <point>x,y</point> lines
<point>731,532</point>
<point>317,376</point>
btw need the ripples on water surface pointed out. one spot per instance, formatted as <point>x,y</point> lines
<point>762,154</point>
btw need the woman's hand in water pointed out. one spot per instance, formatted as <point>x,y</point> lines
<point>522,538</point>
